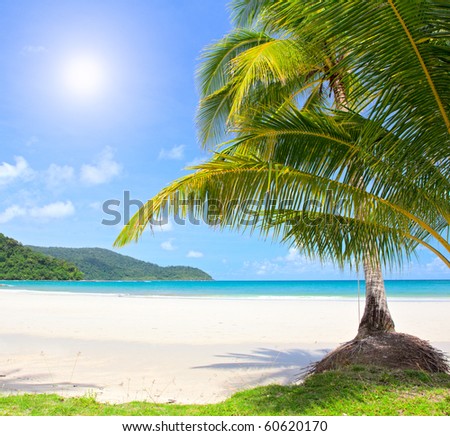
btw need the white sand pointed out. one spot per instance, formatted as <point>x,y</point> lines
<point>172,349</point>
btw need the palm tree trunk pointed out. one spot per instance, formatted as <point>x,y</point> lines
<point>376,318</point>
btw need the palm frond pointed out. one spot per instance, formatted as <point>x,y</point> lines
<point>237,71</point>
<point>278,61</point>
<point>384,159</point>
<point>248,13</point>
<point>230,185</point>
<point>333,146</point>
<point>214,70</point>
<point>398,50</point>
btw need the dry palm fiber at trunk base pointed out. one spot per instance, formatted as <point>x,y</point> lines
<point>387,350</point>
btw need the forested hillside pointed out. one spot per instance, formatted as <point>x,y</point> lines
<point>21,263</point>
<point>102,264</point>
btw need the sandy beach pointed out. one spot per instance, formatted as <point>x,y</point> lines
<point>195,350</point>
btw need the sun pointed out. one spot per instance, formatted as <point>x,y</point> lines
<point>83,76</point>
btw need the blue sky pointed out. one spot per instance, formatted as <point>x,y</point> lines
<point>70,143</point>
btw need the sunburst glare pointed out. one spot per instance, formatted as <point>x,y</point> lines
<point>83,76</point>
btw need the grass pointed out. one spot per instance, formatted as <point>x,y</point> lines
<point>355,391</point>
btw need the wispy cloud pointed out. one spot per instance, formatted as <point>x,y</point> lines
<point>96,205</point>
<point>194,254</point>
<point>293,256</point>
<point>58,209</point>
<point>11,172</point>
<point>167,227</point>
<point>196,161</point>
<point>58,176</point>
<point>168,245</point>
<point>104,169</point>
<point>31,141</point>
<point>263,267</point>
<point>174,153</point>
<point>34,49</point>
<point>292,263</point>
<point>436,266</point>
<point>10,213</point>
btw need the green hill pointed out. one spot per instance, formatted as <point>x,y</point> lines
<point>102,264</point>
<point>21,263</point>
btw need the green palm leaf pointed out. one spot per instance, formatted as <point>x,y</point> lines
<point>399,50</point>
<point>274,88</point>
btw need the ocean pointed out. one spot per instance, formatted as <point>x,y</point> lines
<point>333,289</point>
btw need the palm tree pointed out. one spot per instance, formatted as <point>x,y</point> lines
<point>339,134</point>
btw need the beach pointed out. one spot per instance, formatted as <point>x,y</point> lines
<point>182,350</point>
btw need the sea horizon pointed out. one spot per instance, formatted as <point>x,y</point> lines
<point>436,289</point>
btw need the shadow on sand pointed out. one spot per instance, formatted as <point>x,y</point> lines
<point>272,365</point>
<point>30,383</point>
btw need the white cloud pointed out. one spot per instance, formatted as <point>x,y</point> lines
<point>104,169</point>
<point>57,176</point>
<point>175,153</point>
<point>196,161</point>
<point>292,263</point>
<point>34,49</point>
<point>11,172</point>
<point>10,213</point>
<point>168,245</point>
<point>437,266</point>
<point>194,254</point>
<point>96,205</point>
<point>263,267</point>
<point>293,255</point>
<point>167,227</point>
<point>53,210</point>
<point>423,268</point>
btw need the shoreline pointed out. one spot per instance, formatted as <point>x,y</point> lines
<point>410,299</point>
<point>187,350</point>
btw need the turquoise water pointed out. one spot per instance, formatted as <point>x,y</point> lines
<point>407,289</point>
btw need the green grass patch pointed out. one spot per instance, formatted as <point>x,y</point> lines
<point>355,391</point>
